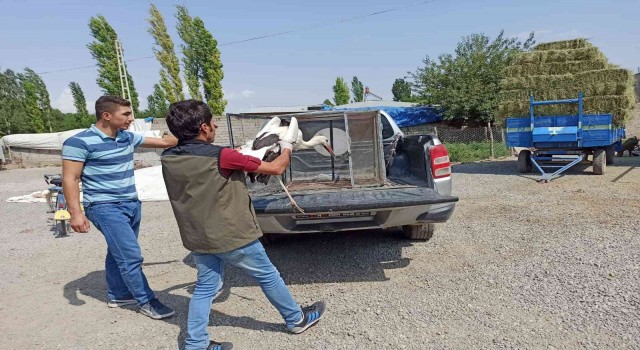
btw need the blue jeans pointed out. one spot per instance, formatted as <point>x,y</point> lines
<point>253,260</point>
<point>119,223</point>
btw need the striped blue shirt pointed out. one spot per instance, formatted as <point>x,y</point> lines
<point>108,164</point>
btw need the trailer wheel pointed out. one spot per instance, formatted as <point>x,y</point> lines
<point>610,152</point>
<point>599,161</point>
<point>419,232</point>
<point>524,161</point>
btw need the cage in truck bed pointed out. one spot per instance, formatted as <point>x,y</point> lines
<point>356,139</point>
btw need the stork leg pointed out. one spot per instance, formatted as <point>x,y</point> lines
<point>293,203</point>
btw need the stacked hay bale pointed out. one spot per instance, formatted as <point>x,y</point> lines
<point>560,70</point>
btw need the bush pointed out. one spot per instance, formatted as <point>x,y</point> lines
<point>474,151</point>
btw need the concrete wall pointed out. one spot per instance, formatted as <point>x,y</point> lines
<point>37,157</point>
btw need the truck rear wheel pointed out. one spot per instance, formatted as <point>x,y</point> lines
<point>599,161</point>
<point>610,152</point>
<point>524,161</point>
<point>419,232</point>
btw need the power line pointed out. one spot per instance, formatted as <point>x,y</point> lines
<point>314,26</point>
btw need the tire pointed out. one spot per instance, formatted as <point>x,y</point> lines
<point>610,153</point>
<point>599,162</point>
<point>419,232</point>
<point>62,228</point>
<point>524,161</point>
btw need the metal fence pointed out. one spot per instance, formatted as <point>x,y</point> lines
<point>493,138</point>
<point>450,134</point>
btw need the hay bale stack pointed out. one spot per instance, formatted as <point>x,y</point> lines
<point>560,70</point>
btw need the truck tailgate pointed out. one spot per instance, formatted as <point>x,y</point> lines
<point>350,200</point>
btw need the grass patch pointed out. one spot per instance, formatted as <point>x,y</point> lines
<point>474,151</point>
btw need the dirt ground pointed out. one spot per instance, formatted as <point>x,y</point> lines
<point>519,265</point>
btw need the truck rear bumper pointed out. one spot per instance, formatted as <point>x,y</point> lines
<point>353,210</point>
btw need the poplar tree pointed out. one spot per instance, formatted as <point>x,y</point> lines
<point>340,92</point>
<point>103,50</point>
<point>164,51</point>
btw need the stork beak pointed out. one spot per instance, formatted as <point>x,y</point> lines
<point>330,150</point>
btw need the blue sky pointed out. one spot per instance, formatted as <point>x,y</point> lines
<point>301,67</point>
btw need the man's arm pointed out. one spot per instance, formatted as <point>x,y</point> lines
<point>71,172</point>
<point>154,142</point>
<point>276,166</point>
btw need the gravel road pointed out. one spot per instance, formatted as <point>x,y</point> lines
<point>519,265</point>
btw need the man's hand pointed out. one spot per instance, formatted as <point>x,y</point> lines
<point>285,145</point>
<point>155,142</point>
<point>80,223</point>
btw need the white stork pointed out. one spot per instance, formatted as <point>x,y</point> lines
<point>265,147</point>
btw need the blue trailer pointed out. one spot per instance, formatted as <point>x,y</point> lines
<point>556,143</point>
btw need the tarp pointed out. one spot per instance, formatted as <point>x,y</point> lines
<point>54,141</point>
<point>403,116</point>
<point>150,184</point>
<point>46,141</point>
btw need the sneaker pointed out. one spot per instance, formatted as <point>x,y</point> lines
<point>121,302</point>
<point>312,315</point>
<point>219,346</point>
<point>156,310</point>
<point>218,293</point>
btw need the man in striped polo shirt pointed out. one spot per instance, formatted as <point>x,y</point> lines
<point>102,158</point>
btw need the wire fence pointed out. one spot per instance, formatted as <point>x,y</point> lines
<point>467,143</point>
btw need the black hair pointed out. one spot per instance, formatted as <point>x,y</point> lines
<point>185,118</point>
<point>109,104</point>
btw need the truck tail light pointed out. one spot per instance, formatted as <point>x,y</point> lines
<point>440,164</point>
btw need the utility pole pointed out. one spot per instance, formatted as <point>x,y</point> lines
<point>122,70</point>
<point>368,93</point>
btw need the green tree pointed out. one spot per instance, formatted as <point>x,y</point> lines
<point>13,117</point>
<point>202,63</point>
<point>186,30</point>
<point>37,102</point>
<point>466,84</point>
<point>62,121</point>
<point>211,68</point>
<point>164,51</point>
<point>82,117</point>
<point>340,92</point>
<point>157,102</point>
<point>401,90</point>
<point>357,89</point>
<point>103,50</point>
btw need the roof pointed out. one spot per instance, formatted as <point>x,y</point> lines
<point>403,113</point>
<point>279,109</point>
<point>365,104</point>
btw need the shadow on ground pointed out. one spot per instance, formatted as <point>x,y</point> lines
<point>302,259</point>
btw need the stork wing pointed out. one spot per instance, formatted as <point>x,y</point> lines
<point>258,153</point>
<point>266,141</point>
<point>272,124</point>
<point>292,132</point>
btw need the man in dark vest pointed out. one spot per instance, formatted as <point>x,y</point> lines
<point>208,193</point>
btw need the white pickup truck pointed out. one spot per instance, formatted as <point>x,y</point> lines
<point>379,178</point>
